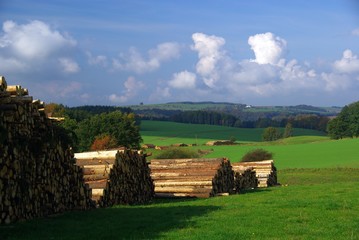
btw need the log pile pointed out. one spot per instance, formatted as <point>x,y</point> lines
<point>117,176</point>
<point>200,178</point>
<point>244,178</point>
<point>37,172</point>
<point>266,172</point>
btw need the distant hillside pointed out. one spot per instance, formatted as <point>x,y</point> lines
<point>242,111</point>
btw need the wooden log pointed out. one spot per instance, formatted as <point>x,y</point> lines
<point>3,84</point>
<point>98,184</point>
<point>192,176</point>
<point>182,183</point>
<point>103,155</point>
<point>182,195</point>
<point>95,177</point>
<point>187,160</point>
<point>41,174</point>
<point>183,189</point>
<point>84,162</point>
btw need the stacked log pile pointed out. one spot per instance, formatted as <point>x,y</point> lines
<point>266,172</point>
<point>201,178</point>
<point>37,172</point>
<point>244,178</point>
<point>117,176</point>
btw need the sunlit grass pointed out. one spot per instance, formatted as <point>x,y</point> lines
<point>312,204</point>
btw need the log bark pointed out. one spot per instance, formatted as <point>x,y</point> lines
<point>37,174</point>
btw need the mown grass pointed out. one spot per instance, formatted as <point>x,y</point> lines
<point>313,204</point>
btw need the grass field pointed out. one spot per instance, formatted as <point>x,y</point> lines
<point>318,198</point>
<point>309,149</point>
<point>316,204</point>
<point>165,133</point>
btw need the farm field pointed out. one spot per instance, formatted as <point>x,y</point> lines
<point>318,198</point>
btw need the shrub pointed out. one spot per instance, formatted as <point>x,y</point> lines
<point>103,142</point>
<point>257,155</point>
<point>176,153</point>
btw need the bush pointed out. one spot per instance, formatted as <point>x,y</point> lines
<point>103,142</point>
<point>176,153</point>
<point>257,155</point>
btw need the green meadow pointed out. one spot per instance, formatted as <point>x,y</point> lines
<point>165,133</point>
<point>307,149</point>
<point>318,198</point>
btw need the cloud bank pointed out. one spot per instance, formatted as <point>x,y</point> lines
<point>163,73</point>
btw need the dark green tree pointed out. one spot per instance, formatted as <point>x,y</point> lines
<point>271,134</point>
<point>121,126</point>
<point>346,124</point>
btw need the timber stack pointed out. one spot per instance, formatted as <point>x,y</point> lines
<point>244,178</point>
<point>200,178</point>
<point>37,172</point>
<point>119,176</point>
<point>266,172</point>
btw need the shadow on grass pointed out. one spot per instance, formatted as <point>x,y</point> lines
<point>256,190</point>
<point>121,222</point>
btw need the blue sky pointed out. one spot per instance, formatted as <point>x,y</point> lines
<point>259,52</point>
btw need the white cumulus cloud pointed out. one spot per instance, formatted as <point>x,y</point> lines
<point>135,62</point>
<point>210,53</point>
<point>33,40</point>
<point>132,87</point>
<point>69,65</point>
<point>183,79</point>
<point>348,64</point>
<point>267,47</point>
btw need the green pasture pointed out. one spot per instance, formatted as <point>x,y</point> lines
<point>308,149</point>
<point>317,199</point>
<point>166,133</point>
<point>311,204</point>
<point>317,154</point>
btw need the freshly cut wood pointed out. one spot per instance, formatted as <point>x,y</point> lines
<point>182,189</point>
<point>182,183</point>
<point>96,169</point>
<point>95,161</point>
<point>182,195</point>
<point>204,177</point>
<point>266,172</point>
<point>98,184</point>
<point>95,177</point>
<point>122,175</point>
<point>96,155</point>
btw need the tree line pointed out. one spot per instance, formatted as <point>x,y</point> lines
<point>97,127</point>
<point>346,124</point>
<point>307,121</point>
